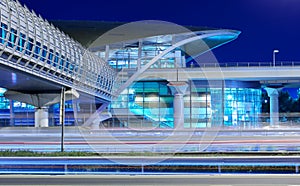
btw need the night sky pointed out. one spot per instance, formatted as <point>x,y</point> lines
<point>265,24</point>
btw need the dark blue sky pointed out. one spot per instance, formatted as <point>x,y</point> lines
<point>265,24</point>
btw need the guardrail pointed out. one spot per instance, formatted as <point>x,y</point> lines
<point>247,64</point>
<point>152,165</point>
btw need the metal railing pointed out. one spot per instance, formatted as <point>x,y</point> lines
<point>256,165</point>
<point>247,64</point>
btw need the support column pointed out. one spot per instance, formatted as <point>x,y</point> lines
<point>106,53</point>
<point>178,89</point>
<point>139,54</point>
<point>274,106</point>
<point>12,113</point>
<point>41,117</point>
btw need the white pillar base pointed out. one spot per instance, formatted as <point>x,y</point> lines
<point>178,89</point>
<point>178,111</point>
<point>274,106</point>
<point>41,117</point>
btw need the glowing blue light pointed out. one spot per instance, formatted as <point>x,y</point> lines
<point>14,78</point>
<point>229,97</point>
<point>222,37</point>
<point>2,91</point>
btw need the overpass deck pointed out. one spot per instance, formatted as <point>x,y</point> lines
<point>283,73</point>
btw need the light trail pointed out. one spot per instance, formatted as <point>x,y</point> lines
<point>153,142</point>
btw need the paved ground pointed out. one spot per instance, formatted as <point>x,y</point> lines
<point>157,180</point>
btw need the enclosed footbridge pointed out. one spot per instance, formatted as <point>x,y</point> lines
<point>37,58</point>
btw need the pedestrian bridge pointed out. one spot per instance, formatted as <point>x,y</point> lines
<point>265,72</point>
<point>32,49</point>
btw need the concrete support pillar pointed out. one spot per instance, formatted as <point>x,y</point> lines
<point>274,106</point>
<point>178,110</point>
<point>178,90</point>
<point>12,113</point>
<point>139,54</point>
<point>106,53</point>
<point>41,117</point>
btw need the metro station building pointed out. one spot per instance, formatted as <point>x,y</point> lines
<point>133,50</point>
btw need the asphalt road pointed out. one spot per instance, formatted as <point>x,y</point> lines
<point>157,180</point>
<point>111,141</point>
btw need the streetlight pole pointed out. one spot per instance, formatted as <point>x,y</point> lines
<point>62,117</point>
<point>274,57</point>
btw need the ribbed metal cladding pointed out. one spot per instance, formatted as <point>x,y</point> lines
<point>31,44</point>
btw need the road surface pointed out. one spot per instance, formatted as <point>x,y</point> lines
<point>157,180</point>
<point>112,141</point>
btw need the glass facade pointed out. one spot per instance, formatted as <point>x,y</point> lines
<point>144,104</point>
<point>15,113</point>
<point>242,106</point>
<point>133,55</point>
<point>150,104</point>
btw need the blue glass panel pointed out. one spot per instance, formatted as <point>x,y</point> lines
<point>71,68</point>
<point>3,32</point>
<point>62,61</point>
<point>21,42</point>
<point>50,57</point>
<point>4,105</point>
<point>44,53</point>
<point>56,59</point>
<point>29,46</point>
<point>12,37</point>
<point>67,65</point>
<point>37,50</point>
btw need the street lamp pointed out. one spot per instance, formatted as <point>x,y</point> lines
<point>274,60</point>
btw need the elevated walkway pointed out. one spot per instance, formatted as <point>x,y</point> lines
<point>32,48</point>
<point>286,73</point>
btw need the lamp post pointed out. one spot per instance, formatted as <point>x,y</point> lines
<point>62,117</point>
<point>274,55</point>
